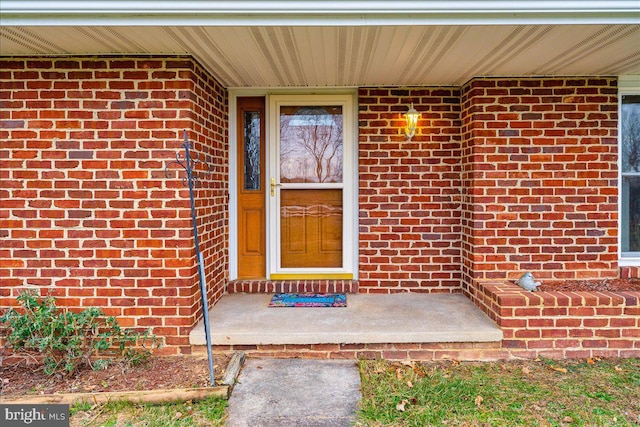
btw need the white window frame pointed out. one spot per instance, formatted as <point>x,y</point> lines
<point>627,85</point>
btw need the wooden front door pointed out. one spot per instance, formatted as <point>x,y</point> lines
<point>251,188</point>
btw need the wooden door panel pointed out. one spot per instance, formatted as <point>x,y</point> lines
<point>311,228</point>
<point>331,228</point>
<point>252,224</point>
<point>294,231</point>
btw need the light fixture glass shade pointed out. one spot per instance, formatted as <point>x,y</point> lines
<point>412,117</point>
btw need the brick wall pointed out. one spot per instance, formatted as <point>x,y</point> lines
<point>87,213</point>
<point>502,176</point>
<point>409,191</point>
<point>563,324</point>
<point>540,178</point>
<point>210,114</point>
<point>389,351</point>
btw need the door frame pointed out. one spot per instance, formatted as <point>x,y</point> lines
<point>350,215</point>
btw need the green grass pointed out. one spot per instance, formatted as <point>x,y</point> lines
<point>531,393</point>
<point>534,393</point>
<point>208,412</point>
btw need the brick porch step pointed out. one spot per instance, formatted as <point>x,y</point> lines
<point>414,321</point>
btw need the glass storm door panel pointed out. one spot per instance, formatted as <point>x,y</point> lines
<point>307,187</point>
<point>310,213</point>
<point>310,144</point>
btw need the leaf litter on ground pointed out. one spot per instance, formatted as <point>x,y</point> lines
<point>593,391</point>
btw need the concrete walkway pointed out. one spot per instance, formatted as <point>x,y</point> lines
<point>246,319</point>
<point>295,393</point>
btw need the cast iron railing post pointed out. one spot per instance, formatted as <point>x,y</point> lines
<point>187,163</point>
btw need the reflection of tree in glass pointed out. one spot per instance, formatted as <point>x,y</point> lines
<point>630,157</point>
<point>634,212</point>
<point>311,145</point>
<point>631,134</point>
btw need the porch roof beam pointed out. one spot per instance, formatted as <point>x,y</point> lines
<point>316,12</point>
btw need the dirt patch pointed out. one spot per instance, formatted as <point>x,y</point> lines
<point>607,285</point>
<point>158,373</point>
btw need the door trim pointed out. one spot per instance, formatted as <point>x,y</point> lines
<point>234,93</point>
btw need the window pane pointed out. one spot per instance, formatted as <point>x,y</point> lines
<point>630,214</point>
<point>630,124</point>
<point>252,150</point>
<point>311,144</point>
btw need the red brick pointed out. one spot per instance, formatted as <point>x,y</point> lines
<point>608,333</point>
<point>568,322</point>
<point>594,343</point>
<point>622,322</point>
<point>527,333</point>
<point>609,311</point>
<point>580,332</point>
<point>596,322</point>
<point>527,312</point>
<point>631,332</point>
<point>581,311</point>
<point>554,333</point>
<point>621,343</point>
<point>577,354</point>
<point>554,311</point>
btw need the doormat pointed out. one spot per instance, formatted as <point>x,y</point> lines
<point>309,300</point>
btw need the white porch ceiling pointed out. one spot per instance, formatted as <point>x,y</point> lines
<point>345,56</point>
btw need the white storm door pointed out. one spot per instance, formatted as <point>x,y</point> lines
<point>311,186</point>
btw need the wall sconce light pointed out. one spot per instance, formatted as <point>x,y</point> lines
<point>412,117</point>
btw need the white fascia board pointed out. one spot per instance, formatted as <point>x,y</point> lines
<point>629,83</point>
<point>316,12</point>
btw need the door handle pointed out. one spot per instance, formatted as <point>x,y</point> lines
<point>273,187</point>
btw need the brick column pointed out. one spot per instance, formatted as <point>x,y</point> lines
<point>409,191</point>
<point>540,178</point>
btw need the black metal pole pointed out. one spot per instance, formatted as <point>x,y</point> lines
<point>187,165</point>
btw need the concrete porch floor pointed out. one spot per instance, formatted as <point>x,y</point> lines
<point>246,319</point>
